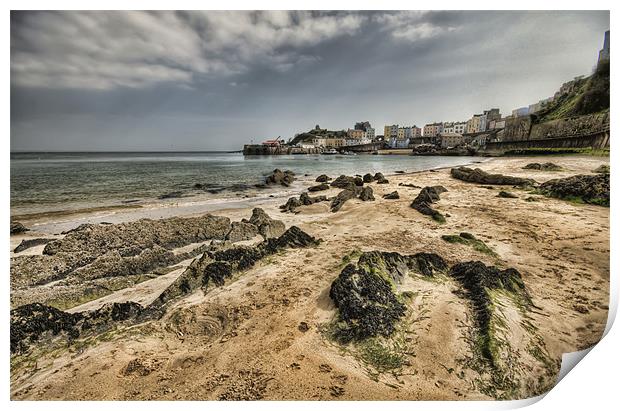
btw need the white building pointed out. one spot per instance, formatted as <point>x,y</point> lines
<point>370,133</point>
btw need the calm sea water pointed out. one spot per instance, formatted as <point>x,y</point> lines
<point>63,181</point>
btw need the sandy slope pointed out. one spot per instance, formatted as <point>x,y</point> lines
<point>244,340</point>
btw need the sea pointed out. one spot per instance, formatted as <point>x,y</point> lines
<point>49,182</point>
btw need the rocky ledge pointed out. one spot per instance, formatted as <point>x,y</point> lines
<point>482,177</point>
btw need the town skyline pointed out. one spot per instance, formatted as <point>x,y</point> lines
<point>209,100</point>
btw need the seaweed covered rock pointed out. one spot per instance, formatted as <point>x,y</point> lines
<point>267,226</point>
<point>341,198</point>
<point>366,194</point>
<point>478,279</point>
<point>470,240</point>
<point>323,178</point>
<point>392,196</point>
<point>396,266</point>
<point>241,231</point>
<point>591,189</point>
<point>428,196</point>
<point>367,178</point>
<point>367,304</point>
<point>280,177</point>
<point>319,187</point>
<point>17,228</point>
<point>32,322</point>
<point>542,167</point>
<point>482,177</point>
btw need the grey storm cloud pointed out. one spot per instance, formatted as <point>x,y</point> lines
<point>131,80</point>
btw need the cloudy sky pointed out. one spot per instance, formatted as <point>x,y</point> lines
<point>216,80</point>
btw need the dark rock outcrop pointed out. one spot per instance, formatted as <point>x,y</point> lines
<point>366,194</point>
<point>482,177</point>
<point>304,199</point>
<point>543,167</point>
<point>591,189</point>
<point>603,169</point>
<point>364,293</point>
<point>478,279</point>
<point>367,304</point>
<point>280,177</point>
<point>319,187</point>
<point>408,185</point>
<point>341,198</point>
<point>423,201</point>
<point>132,237</point>
<point>33,322</point>
<point>392,196</point>
<point>267,226</point>
<point>17,228</point>
<point>240,231</point>
<point>506,194</point>
<point>367,178</point>
<point>323,178</point>
<point>346,182</point>
<point>26,244</point>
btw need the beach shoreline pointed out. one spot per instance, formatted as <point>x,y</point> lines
<point>561,249</point>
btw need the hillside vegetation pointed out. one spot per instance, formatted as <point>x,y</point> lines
<point>589,95</point>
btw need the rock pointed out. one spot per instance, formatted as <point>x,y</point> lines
<point>392,196</point>
<point>304,199</point>
<point>291,205</point>
<point>174,194</point>
<point>303,327</point>
<point>346,182</point>
<point>603,169</point>
<point>396,266</point>
<point>267,227</point>
<point>506,194</point>
<point>17,228</point>
<point>319,187</point>
<point>358,181</point>
<point>591,189</point>
<point>366,194</point>
<point>278,176</point>
<point>323,178</point>
<point>383,181</point>
<point>543,167</point>
<point>26,244</point>
<point>378,176</point>
<point>423,201</point>
<point>408,185</point>
<point>32,322</point>
<point>367,178</point>
<point>399,172</point>
<point>366,303</point>
<point>477,279</point>
<point>341,198</point>
<point>364,293</point>
<point>241,231</point>
<point>294,237</point>
<point>168,233</point>
<point>482,177</point>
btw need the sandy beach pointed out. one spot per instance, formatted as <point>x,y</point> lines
<point>264,334</point>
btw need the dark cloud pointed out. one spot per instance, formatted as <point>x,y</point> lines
<point>214,80</point>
